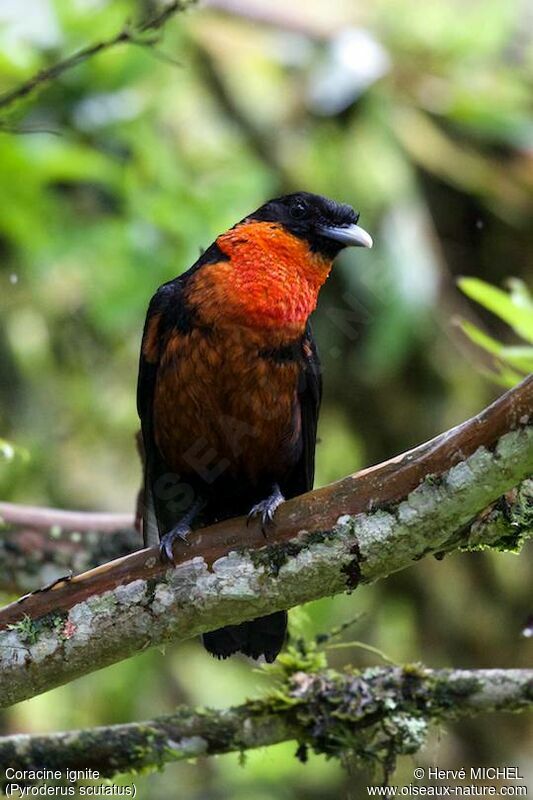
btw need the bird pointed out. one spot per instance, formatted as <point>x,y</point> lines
<point>229,385</point>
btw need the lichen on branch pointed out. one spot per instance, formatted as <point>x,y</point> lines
<point>369,717</point>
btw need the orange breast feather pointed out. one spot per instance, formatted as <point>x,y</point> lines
<point>218,402</point>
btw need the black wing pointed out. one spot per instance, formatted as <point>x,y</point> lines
<point>302,475</point>
<point>148,365</point>
<point>167,312</point>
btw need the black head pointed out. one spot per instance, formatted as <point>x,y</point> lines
<point>328,226</point>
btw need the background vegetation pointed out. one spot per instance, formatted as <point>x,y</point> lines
<point>111,180</point>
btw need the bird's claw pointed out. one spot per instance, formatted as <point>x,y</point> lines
<point>265,510</point>
<point>264,513</point>
<point>166,545</point>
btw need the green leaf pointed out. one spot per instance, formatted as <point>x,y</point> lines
<point>481,338</point>
<point>520,293</point>
<point>509,377</point>
<point>520,357</point>
<point>516,308</point>
<point>507,359</point>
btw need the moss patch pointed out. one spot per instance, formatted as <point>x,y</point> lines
<point>272,557</point>
<point>30,629</point>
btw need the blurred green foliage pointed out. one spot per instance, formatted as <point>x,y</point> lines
<point>513,362</point>
<point>113,177</point>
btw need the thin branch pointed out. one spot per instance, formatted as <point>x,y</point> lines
<point>37,517</point>
<point>357,530</point>
<point>128,34</point>
<point>31,558</point>
<point>41,545</point>
<point>369,715</point>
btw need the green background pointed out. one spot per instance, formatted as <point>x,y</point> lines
<point>116,175</point>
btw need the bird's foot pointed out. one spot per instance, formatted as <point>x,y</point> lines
<point>166,545</point>
<point>266,509</point>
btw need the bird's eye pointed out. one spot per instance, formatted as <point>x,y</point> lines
<point>299,209</point>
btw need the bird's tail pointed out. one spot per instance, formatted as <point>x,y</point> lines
<point>150,527</point>
<point>263,636</point>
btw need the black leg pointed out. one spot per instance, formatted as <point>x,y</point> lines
<point>180,531</point>
<point>266,508</point>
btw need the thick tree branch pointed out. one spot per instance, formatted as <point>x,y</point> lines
<point>357,530</point>
<point>40,545</point>
<point>373,715</point>
<point>133,34</point>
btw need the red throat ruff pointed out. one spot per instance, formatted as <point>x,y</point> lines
<point>272,278</point>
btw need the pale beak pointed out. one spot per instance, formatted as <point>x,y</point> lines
<point>350,236</point>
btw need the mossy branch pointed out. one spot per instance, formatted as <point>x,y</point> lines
<point>357,530</point>
<point>370,717</point>
<point>132,34</point>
